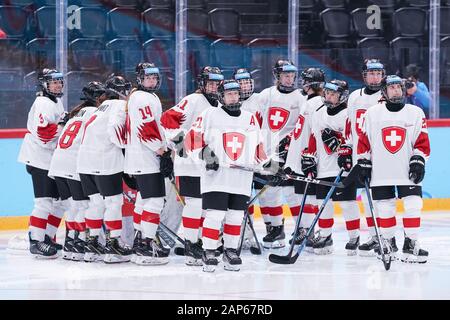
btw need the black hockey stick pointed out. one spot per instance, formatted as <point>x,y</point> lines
<point>290,176</point>
<point>248,219</point>
<point>292,259</point>
<point>168,230</point>
<point>386,262</point>
<point>274,257</point>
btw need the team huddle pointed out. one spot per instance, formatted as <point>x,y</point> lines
<point>218,145</point>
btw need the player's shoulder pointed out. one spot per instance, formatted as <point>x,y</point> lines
<point>266,91</point>
<point>356,93</point>
<point>83,112</point>
<point>414,109</point>
<point>376,108</point>
<point>246,114</point>
<point>314,103</point>
<point>43,101</point>
<point>193,97</point>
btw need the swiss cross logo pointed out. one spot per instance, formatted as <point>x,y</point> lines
<point>393,138</point>
<point>277,118</point>
<point>299,127</point>
<point>359,125</point>
<point>233,144</point>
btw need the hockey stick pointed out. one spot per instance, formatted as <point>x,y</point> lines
<point>248,219</point>
<point>274,257</point>
<point>163,234</point>
<point>168,230</point>
<point>386,263</point>
<point>290,260</point>
<point>290,176</point>
<point>177,191</point>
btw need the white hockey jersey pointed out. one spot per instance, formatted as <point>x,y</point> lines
<point>301,134</point>
<point>357,105</point>
<point>64,160</point>
<point>234,140</point>
<point>327,165</point>
<point>178,119</point>
<point>144,134</point>
<point>253,105</point>
<point>390,139</point>
<point>103,140</point>
<point>280,113</point>
<point>43,131</point>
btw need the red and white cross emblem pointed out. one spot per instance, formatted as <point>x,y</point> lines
<point>277,118</point>
<point>299,127</point>
<point>233,143</point>
<point>393,138</point>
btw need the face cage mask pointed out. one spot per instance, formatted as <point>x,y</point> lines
<point>342,98</point>
<point>55,94</point>
<point>306,85</point>
<point>400,99</point>
<point>373,87</point>
<point>283,88</point>
<point>246,94</point>
<point>149,71</point>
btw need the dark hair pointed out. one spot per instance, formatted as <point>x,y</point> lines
<point>412,70</point>
<point>75,110</point>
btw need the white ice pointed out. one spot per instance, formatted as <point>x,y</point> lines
<point>336,276</point>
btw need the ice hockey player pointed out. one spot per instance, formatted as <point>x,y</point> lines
<point>250,103</point>
<point>328,151</point>
<point>100,164</point>
<point>392,151</point>
<point>228,136</point>
<point>63,168</point>
<point>312,82</point>
<point>36,153</point>
<point>176,122</point>
<point>145,160</point>
<point>281,106</point>
<point>359,101</point>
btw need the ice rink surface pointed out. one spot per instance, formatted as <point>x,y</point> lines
<point>336,276</point>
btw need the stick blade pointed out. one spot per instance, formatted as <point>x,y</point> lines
<point>274,258</point>
<point>179,251</point>
<point>255,250</point>
<point>387,265</point>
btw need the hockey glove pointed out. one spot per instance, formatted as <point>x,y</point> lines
<point>345,157</point>
<point>283,148</point>
<point>166,164</point>
<point>331,138</point>
<point>178,141</point>
<point>364,170</point>
<point>288,170</point>
<point>130,181</point>
<point>212,162</point>
<point>309,165</point>
<point>64,118</point>
<point>272,166</point>
<point>416,169</point>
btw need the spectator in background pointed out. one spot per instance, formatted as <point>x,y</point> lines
<point>2,34</point>
<point>416,91</point>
